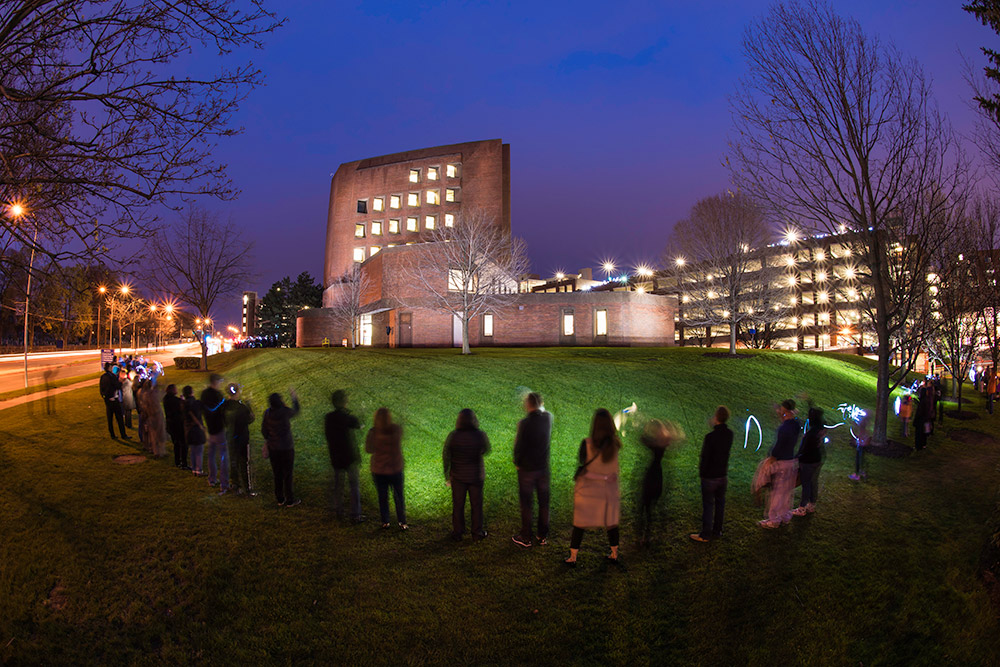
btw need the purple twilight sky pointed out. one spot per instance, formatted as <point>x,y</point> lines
<point>616,113</point>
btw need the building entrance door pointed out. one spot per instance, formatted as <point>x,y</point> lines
<point>405,330</point>
<point>456,331</point>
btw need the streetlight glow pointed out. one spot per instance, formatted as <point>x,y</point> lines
<point>680,261</point>
<point>102,289</point>
<point>16,210</point>
<point>608,267</point>
<point>125,289</point>
<point>560,275</point>
<point>643,271</point>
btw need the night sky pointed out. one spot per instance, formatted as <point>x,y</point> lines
<point>616,113</point>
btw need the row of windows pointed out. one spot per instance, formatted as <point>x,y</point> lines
<point>434,173</point>
<point>568,325</point>
<point>395,225</point>
<point>431,197</point>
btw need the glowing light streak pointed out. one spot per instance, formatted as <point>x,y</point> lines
<point>746,432</point>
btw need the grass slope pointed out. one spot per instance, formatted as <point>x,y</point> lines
<point>154,568</point>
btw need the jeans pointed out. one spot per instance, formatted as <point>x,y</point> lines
<point>809,474</point>
<point>713,505</point>
<point>382,484</point>
<point>196,452</point>
<point>338,491</point>
<point>282,463</point>
<point>576,537</point>
<point>239,465</point>
<point>218,459</point>
<point>780,506</point>
<point>114,410</point>
<point>528,482</point>
<point>458,493</point>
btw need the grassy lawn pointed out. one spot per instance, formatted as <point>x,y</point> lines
<point>101,563</point>
<point>55,384</point>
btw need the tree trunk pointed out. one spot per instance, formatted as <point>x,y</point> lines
<point>204,352</point>
<point>732,336</point>
<point>465,334</point>
<point>879,427</point>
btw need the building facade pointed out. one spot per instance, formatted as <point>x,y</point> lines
<point>249,325</point>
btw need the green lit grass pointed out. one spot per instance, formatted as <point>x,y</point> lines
<point>156,568</point>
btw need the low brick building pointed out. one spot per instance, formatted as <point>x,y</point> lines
<point>381,212</point>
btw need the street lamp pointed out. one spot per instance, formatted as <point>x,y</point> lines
<point>101,290</point>
<point>17,211</point>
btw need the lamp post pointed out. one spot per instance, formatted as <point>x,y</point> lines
<point>17,211</point>
<point>101,290</point>
<point>124,290</point>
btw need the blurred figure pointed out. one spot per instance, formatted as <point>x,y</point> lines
<point>50,400</point>
<point>531,459</point>
<point>905,413</point>
<point>152,417</point>
<point>938,398</point>
<point>779,509</point>
<point>656,437</point>
<point>991,388</point>
<point>596,496</point>
<point>465,473</point>
<point>342,443</point>
<point>810,456</point>
<point>194,430</point>
<point>239,415</point>
<point>111,391</point>
<point>276,427</point>
<point>385,443</point>
<point>128,398</point>
<point>713,468</point>
<point>861,440</point>
<point>212,402</point>
<point>923,421</point>
<point>173,411</point>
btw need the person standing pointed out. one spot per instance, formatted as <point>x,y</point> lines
<point>276,427</point>
<point>239,415</point>
<point>596,494</point>
<point>905,413</point>
<point>465,472</point>
<point>385,443</point>
<point>194,430</point>
<point>128,398</point>
<point>713,468</point>
<point>531,459</point>
<point>938,398</point>
<point>810,456</point>
<point>340,426</point>
<point>656,438</point>
<point>213,402</point>
<point>110,387</point>
<point>173,411</point>
<point>152,417</point>
<point>991,389</point>
<point>779,509</point>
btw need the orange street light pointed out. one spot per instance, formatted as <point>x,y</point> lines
<point>16,210</point>
<point>125,289</point>
<point>102,289</point>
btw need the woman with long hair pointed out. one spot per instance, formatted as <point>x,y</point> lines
<point>276,427</point>
<point>464,471</point>
<point>596,497</point>
<point>385,443</point>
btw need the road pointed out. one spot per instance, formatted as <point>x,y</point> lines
<point>70,364</point>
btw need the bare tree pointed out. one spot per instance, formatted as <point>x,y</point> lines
<point>837,131</point>
<point>985,211</point>
<point>468,269</point>
<point>347,307</point>
<point>198,260</point>
<point>725,274</point>
<point>98,125</point>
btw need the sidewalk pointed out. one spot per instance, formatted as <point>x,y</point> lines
<point>39,395</point>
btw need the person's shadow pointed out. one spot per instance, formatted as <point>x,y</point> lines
<point>50,399</point>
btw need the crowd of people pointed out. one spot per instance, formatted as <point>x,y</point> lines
<point>220,420</point>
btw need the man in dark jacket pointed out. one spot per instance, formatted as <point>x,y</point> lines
<point>111,391</point>
<point>173,413</point>
<point>713,468</point>
<point>340,426</point>
<point>239,416</point>
<point>531,458</point>
<point>213,405</point>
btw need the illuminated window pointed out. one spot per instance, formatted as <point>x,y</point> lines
<point>378,204</point>
<point>414,176</point>
<point>449,220</point>
<point>451,194</point>
<point>390,245</point>
<point>820,255</point>
<point>411,224</point>
<point>454,280</point>
<point>487,325</point>
<point>394,226</point>
<point>413,199</point>
<point>600,322</point>
<point>362,206</point>
<point>452,170</point>
<point>432,173</point>
<point>430,221</point>
<point>374,250</point>
<point>433,197</point>
<point>567,323</point>
<point>824,318</point>
<point>366,329</point>
<point>395,201</point>
<point>359,254</point>
<point>359,230</point>
<point>822,297</point>
<point>377,228</point>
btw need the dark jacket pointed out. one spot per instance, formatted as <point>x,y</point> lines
<point>714,461</point>
<point>340,439</point>
<point>463,454</point>
<point>110,386</point>
<point>276,427</point>
<point>531,444</point>
<point>212,402</point>
<point>787,438</point>
<point>386,450</point>
<point>173,413</point>
<point>194,430</point>
<point>239,416</point>
<point>811,450</point>
<point>652,481</point>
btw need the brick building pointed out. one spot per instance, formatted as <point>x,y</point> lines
<point>381,213</point>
